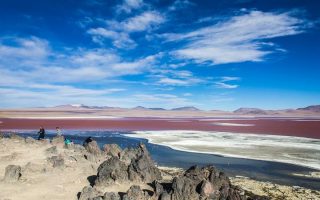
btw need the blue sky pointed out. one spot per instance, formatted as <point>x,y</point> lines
<point>171,53</point>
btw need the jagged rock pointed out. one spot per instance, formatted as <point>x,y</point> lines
<point>58,140</point>
<point>165,196</point>
<point>204,183</point>
<point>207,189</point>
<point>56,161</point>
<point>158,188</point>
<point>1,136</point>
<point>111,171</point>
<point>128,154</point>
<point>143,169</point>
<point>135,193</point>
<point>92,147</point>
<point>30,140</point>
<point>52,150</point>
<point>89,193</point>
<point>112,149</point>
<point>111,196</point>
<point>183,188</point>
<point>12,173</point>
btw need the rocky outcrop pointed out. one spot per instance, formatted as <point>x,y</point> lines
<point>112,171</point>
<point>12,173</point>
<point>89,193</point>
<point>92,147</point>
<point>112,150</point>
<point>58,140</point>
<point>141,168</point>
<point>111,196</point>
<point>135,193</point>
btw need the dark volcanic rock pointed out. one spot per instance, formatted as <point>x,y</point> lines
<point>184,188</point>
<point>112,149</point>
<point>111,196</point>
<point>142,168</point>
<point>204,183</point>
<point>12,173</point>
<point>135,193</point>
<point>111,171</point>
<point>89,193</point>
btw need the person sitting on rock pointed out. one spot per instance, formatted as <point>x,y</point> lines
<point>58,131</point>
<point>87,141</point>
<point>41,133</point>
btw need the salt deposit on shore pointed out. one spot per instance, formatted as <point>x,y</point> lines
<point>286,149</point>
<point>231,124</point>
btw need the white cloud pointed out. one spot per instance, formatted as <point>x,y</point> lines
<point>119,39</point>
<point>222,82</point>
<point>119,31</point>
<point>180,4</point>
<point>239,39</point>
<point>226,86</point>
<point>129,5</point>
<point>142,22</point>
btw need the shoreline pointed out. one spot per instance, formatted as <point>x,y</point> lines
<point>154,141</point>
<point>262,126</point>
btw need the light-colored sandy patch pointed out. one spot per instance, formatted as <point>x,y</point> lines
<point>39,179</point>
<point>275,191</point>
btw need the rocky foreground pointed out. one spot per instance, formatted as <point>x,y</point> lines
<point>51,170</point>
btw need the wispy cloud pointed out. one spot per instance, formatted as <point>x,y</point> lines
<point>128,5</point>
<point>238,39</point>
<point>224,82</point>
<point>119,31</point>
<point>180,4</point>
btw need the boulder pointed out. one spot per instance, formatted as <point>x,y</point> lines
<point>92,147</point>
<point>111,171</point>
<point>111,196</point>
<point>56,161</point>
<point>12,173</point>
<point>157,187</point>
<point>204,183</point>
<point>184,188</point>
<point>135,193</point>
<point>58,140</point>
<point>142,168</point>
<point>112,149</point>
<point>89,193</point>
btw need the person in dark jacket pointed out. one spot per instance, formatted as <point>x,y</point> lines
<point>41,133</point>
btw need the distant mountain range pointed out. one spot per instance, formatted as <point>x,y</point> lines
<point>242,111</point>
